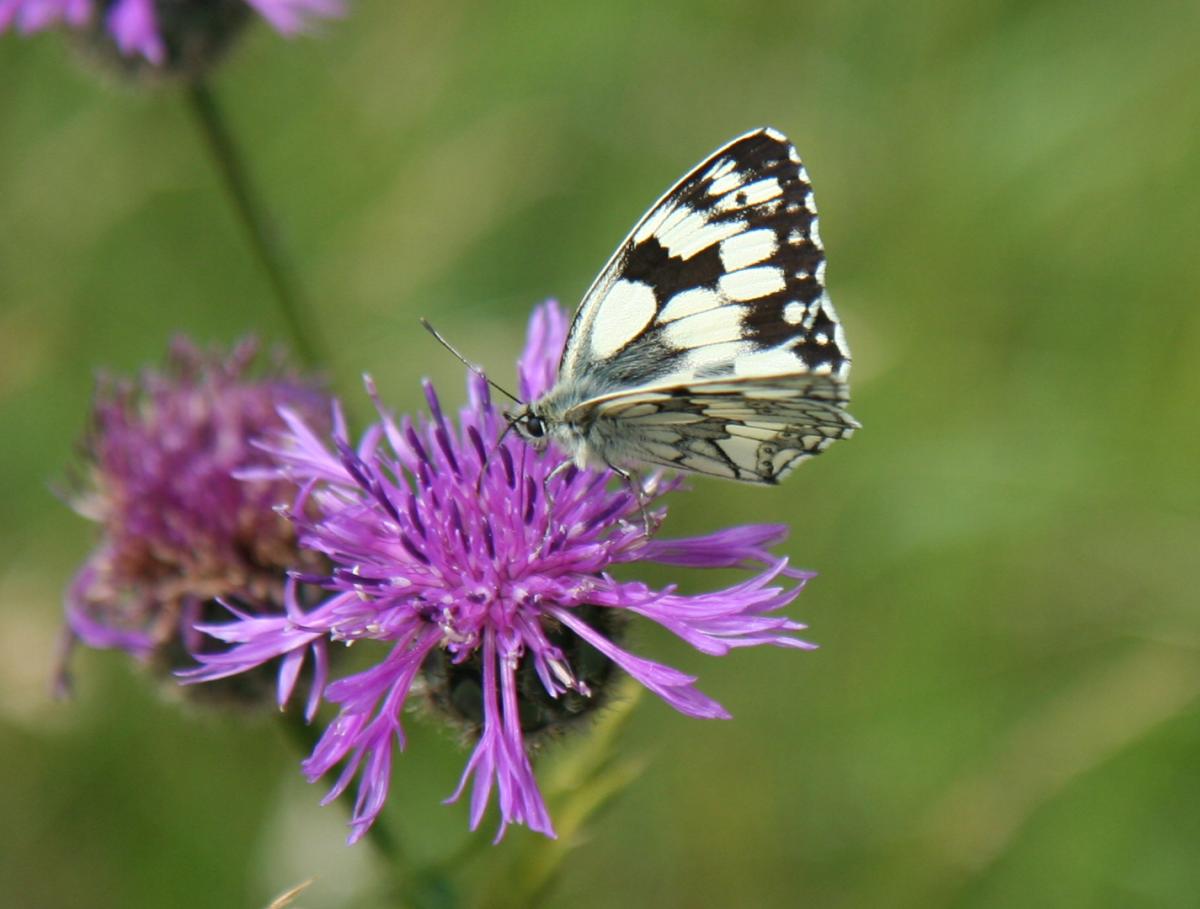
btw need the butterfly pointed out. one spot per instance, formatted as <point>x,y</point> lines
<point>708,343</point>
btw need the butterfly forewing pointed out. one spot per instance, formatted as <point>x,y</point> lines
<point>722,279</point>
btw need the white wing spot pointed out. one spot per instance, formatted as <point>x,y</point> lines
<point>722,323</point>
<point>662,450</point>
<point>743,452</point>
<point>720,169</point>
<point>776,361</point>
<point>666,221</point>
<point>794,312</point>
<point>752,283</point>
<point>749,195</point>
<point>689,302</point>
<point>762,190</point>
<point>712,466</point>
<point>785,461</point>
<point>753,431</point>
<point>726,182</point>
<point>693,232</point>
<point>715,360</point>
<point>621,316</point>
<point>653,222</point>
<point>749,248</point>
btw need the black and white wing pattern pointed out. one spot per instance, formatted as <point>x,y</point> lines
<point>708,342</point>
<point>755,433</point>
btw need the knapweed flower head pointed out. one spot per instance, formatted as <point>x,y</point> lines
<point>178,35</point>
<point>178,528</point>
<point>482,569</point>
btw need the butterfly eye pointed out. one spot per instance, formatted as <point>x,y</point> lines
<point>535,427</point>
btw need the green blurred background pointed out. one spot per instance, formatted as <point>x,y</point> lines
<point>1004,708</point>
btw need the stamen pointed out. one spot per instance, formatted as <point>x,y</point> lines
<point>530,498</point>
<point>488,541</point>
<point>435,406</point>
<point>414,515</point>
<point>443,440</point>
<point>412,549</point>
<point>414,442</point>
<point>510,473</point>
<point>457,522</point>
<point>476,441</point>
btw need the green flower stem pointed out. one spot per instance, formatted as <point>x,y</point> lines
<point>252,215</point>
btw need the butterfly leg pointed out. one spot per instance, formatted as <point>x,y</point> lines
<point>563,467</point>
<point>635,486</point>
<point>628,477</point>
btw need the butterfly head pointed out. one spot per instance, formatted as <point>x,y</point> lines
<point>530,425</point>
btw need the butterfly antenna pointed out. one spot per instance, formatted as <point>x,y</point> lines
<point>475,369</point>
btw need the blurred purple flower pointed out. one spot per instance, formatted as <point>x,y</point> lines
<point>448,546</point>
<point>178,529</point>
<point>142,27</point>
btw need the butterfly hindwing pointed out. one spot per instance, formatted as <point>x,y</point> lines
<point>754,432</point>
<point>723,279</point>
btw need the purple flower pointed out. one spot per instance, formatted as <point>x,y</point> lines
<point>471,563</point>
<point>159,30</point>
<point>178,529</point>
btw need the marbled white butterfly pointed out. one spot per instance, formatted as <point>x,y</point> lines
<point>707,343</point>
